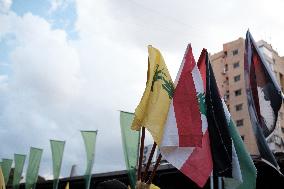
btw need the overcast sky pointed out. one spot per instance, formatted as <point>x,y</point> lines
<point>70,65</point>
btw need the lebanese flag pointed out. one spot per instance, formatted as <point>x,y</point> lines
<point>185,141</point>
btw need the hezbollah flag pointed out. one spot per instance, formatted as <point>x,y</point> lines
<point>153,108</point>
<point>264,99</point>
<point>186,140</point>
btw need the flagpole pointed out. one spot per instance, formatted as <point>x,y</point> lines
<point>149,162</point>
<point>141,153</point>
<point>219,182</point>
<point>211,181</point>
<point>154,169</point>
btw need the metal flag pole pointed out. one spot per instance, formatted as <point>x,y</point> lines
<point>211,181</point>
<point>220,183</point>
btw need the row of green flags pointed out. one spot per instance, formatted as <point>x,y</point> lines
<point>57,149</point>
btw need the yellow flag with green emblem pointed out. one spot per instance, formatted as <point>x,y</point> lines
<point>153,108</point>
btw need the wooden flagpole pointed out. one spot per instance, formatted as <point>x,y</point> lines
<point>154,169</point>
<point>141,153</point>
<point>149,162</point>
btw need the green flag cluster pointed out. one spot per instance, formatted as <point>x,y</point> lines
<point>19,165</point>
<point>57,148</point>
<point>130,141</point>
<point>33,167</point>
<point>89,138</point>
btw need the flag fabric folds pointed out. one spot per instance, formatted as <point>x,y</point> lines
<point>152,110</point>
<point>130,141</point>
<point>19,165</point>
<point>264,98</point>
<point>2,181</point>
<point>248,170</point>
<point>186,141</point>
<point>89,138</point>
<point>225,159</point>
<point>57,149</point>
<point>6,169</point>
<point>33,167</point>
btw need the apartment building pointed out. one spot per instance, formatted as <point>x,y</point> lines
<point>228,66</point>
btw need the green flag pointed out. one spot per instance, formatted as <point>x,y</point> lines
<point>90,141</point>
<point>248,170</point>
<point>130,142</point>
<point>33,167</point>
<point>57,148</point>
<point>6,168</point>
<point>19,165</point>
<point>246,164</point>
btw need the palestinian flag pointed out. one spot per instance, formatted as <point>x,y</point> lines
<point>185,141</point>
<point>247,178</point>
<point>264,98</point>
<point>225,158</point>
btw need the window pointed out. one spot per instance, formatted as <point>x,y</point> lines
<point>226,67</point>
<point>239,107</point>
<point>226,97</point>
<point>281,81</point>
<point>240,122</point>
<point>237,78</point>
<point>235,52</point>
<point>236,64</point>
<point>281,115</point>
<point>238,92</point>
<point>243,137</point>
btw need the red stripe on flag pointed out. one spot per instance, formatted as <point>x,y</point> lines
<point>186,106</point>
<point>199,165</point>
<point>202,67</point>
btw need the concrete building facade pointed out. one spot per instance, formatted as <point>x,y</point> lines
<point>228,66</point>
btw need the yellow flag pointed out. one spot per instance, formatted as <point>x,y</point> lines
<point>2,182</point>
<point>153,108</point>
<point>152,186</point>
<point>67,185</point>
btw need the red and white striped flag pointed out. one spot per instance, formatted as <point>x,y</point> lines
<point>185,141</point>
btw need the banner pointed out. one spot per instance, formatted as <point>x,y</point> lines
<point>33,167</point>
<point>19,165</point>
<point>130,142</point>
<point>6,168</point>
<point>57,148</point>
<point>90,141</point>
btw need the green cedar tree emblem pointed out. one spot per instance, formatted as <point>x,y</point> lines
<point>201,102</point>
<point>167,84</point>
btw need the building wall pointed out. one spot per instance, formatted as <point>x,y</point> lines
<point>228,66</point>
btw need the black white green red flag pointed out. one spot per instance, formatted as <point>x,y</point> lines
<point>225,153</point>
<point>264,98</point>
